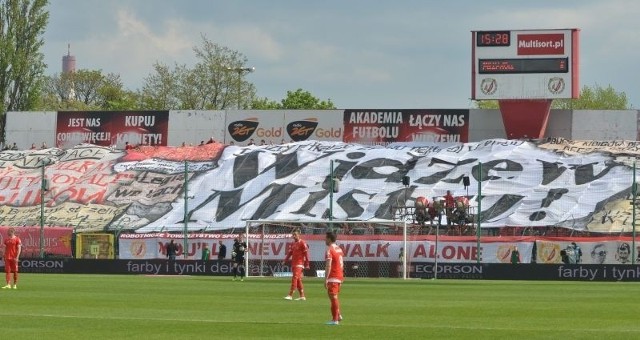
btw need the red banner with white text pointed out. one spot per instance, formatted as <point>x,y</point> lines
<point>382,127</point>
<point>107,128</point>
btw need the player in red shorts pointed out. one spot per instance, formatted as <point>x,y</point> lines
<point>12,249</point>
<point>334,276</point>
<point>299,255</point>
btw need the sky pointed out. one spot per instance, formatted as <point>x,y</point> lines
<point>360,54</point>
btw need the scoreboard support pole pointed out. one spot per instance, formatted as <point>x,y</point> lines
<point>525,118</point>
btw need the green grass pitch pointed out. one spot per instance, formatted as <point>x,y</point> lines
<point>48,306</point>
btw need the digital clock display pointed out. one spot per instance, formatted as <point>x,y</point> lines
<point>521,65</point>
<point>493,38</point>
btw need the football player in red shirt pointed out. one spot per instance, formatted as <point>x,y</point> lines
<point>299,256</point>
<point>12,249</point>
<point>334,276</point>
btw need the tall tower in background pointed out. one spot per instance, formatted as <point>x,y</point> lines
<point>68,61</point>
<point>69,67</point>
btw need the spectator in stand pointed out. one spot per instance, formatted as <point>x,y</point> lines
<point>201,143</point>
<point>435,212</point>
<point>232,143</point>
<point>578,252</point>
<point>251,142</point>
<point>184,144</point>
<point>222,251</point>
<point>262,142</point>
<point>172,250</point>
<point>206,253</point>
<point>128,146</point>
<point>370,230</point>
<point>44,146</point>
<point>449,204</point>
<point>33,146</point>
<point>211,141</point>
<point>515,256</point>
<point>14,146</point>
<point>282,141</point>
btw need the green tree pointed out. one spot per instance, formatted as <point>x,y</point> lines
<point>118,99</point>
<point>83,90</point>
<point>57,88</point>
<point>159,90</point>
<point>50,102</point>
<point>22,24</point>
<point>216,81</point>
<point>486,104</point>
<point>265,104</point>
<point>90,86</point>
<point>294,100</point>
<point>591,98</point>
<point>595,98</point>
<point>301,99</point>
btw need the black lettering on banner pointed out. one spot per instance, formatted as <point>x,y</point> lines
<point>83,153</point>
<point>350,205</point>
<point>551,171</point>
<point>440,175</point>
<point>385,210</point>
<point>504,204</point>
<point>355,155</point>
<point>458,179</point>
<point>367,170</point>
<point>312,200</point>
<point>287,164</point>
<point>279,194</point>
<point>584,172</point>
<point>245,168</point>
<point>342,168</point>
<point>552,195</point>
<point>227,205</point>
<point>122,191</point>
<point>502,165</point>
<point>338,172</point>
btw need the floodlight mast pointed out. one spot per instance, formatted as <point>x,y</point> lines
<point>240,71</point>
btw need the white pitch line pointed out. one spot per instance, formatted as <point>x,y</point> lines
<point>90,317</point>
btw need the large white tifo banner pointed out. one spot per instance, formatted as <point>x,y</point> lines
<point>522,185</point>
<point>577,185</point>
<point>356,248</point>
